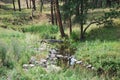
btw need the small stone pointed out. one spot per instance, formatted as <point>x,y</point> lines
<point>89,66</point>
<point>72,61</point>
<point>37,62</point>
<point>52,55</point>
<point>84,65</point>
<point>59,56</point>
<point>53,51</point>
<point>25,66</point>
<point>93,68</point>
<point>65,57</point>
<point>41,49</point>
<point>43,60</point>
<point>32,60</point>
<point>31,65</point>
<point>79,62</point>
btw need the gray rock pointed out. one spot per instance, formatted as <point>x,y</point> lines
<point>32,60</point>
<point>93,68</point>
<point>41,49</point>
<point>31,65</point>
<point>43,62</point>
<point>59,56</point>
<point>25,66</point>
<point>52,55</point>
<point>37,62</point>
<point>53,51</point>
<point>79,62</point>
<point>72,60</point>
<point>89,66</point>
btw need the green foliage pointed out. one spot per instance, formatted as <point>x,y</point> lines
<point>19,75</point>
<point>107,33</point>
<point>67,47</point>
<point>68,73</point>
<point>3,71</point>
<point>101,55</point>
<point>74,36</point>
<point>45,31</point>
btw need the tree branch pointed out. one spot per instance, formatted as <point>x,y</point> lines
<point>94,22</point>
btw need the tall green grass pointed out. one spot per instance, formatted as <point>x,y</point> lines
<point>45,31</point>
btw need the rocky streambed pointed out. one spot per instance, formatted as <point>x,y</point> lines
<point>54,61</point>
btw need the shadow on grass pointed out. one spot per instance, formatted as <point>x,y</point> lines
<point>104,34</point>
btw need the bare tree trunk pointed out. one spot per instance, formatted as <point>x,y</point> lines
<point>34,5</point>
<point>14,5</point>
<point>81,21</point>
<point>55,19</point>
<point>30,4</point>
<point>27,4</point>
<point>99,3</point>
<point>19,5</point>
<point>52,16</point>
<point>41,5</point>
<point>77,10</point>
<point>70,25</point>
<point>59,18</point>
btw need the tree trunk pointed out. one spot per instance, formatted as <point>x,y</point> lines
<point>55,19</point>
<point>58,15</point>
<point>52,16</point>
<point>27,4</point>
<point>70,25</point>
<point>77,10</point>
<point>34,5</point>
<point>100,3</point>
<point>14,5</point>
<point>30,3</point>
<point>19,5</point>
<point>41,5</point>
<point>81,21</point>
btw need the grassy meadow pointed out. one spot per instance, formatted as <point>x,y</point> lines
<point>18,33</point>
